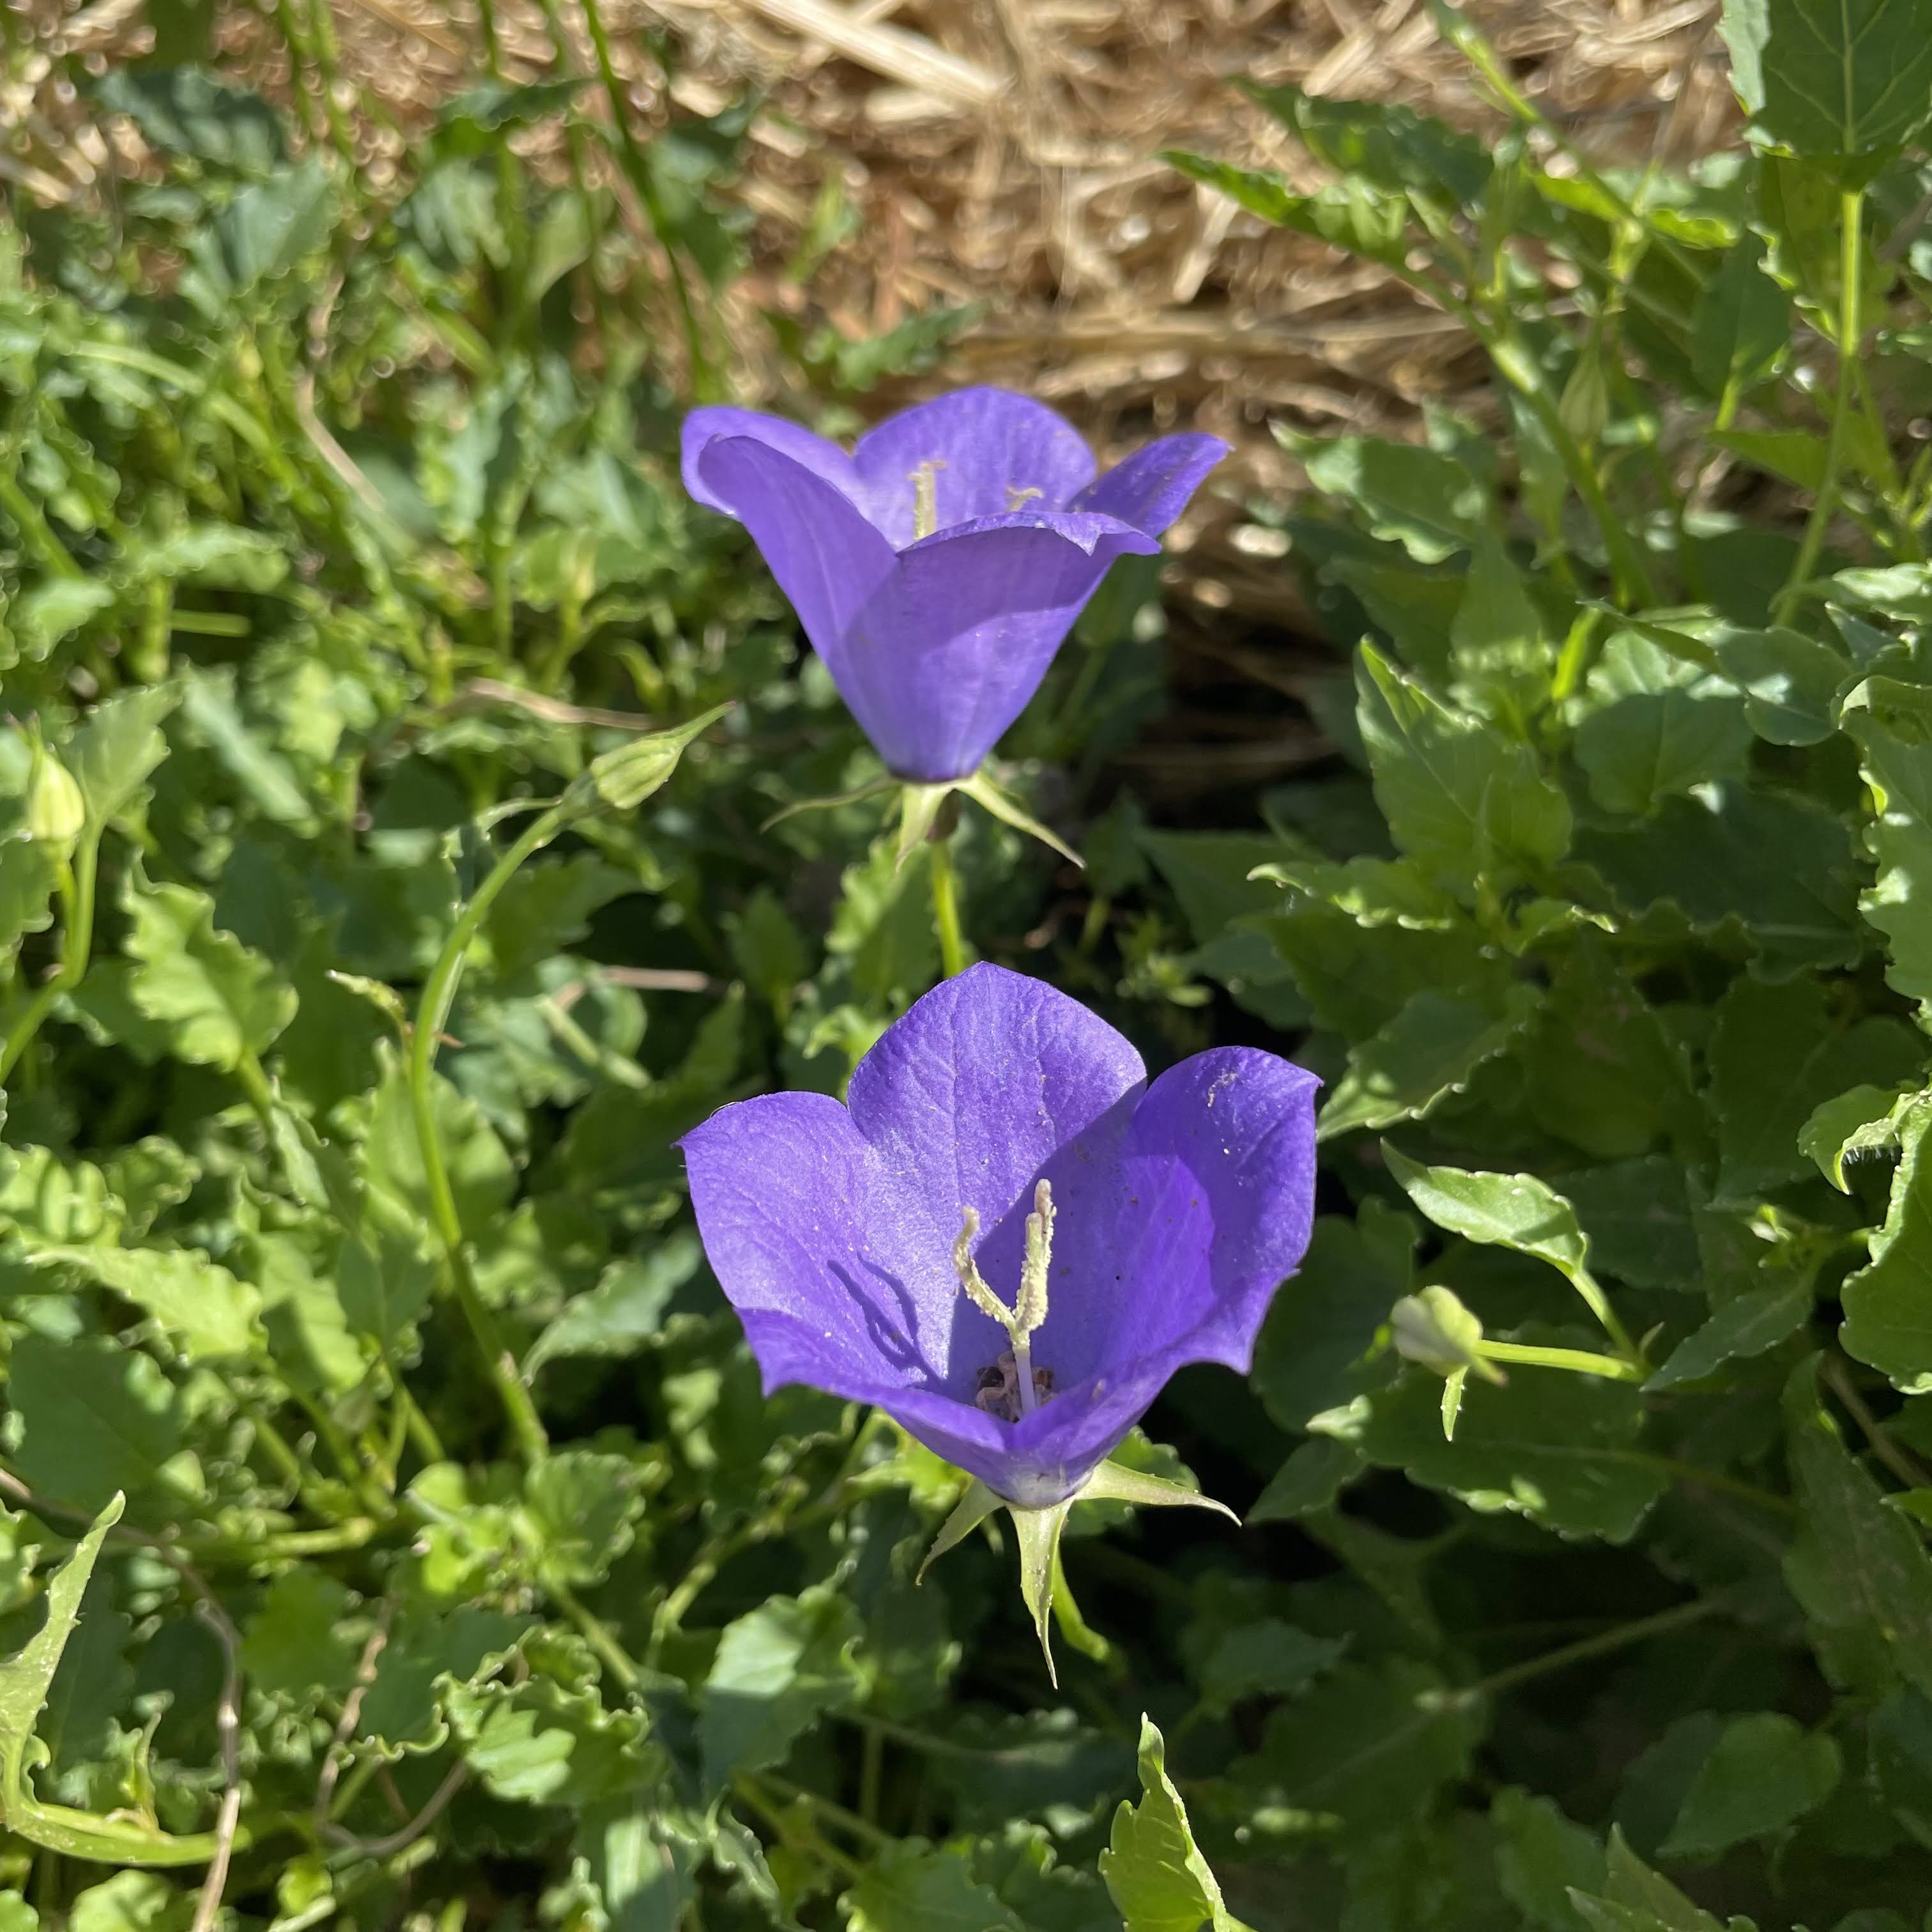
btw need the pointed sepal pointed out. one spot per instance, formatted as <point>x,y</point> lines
<point>981,789</point>
<point>872,788</point>
<point>1115,1483</point>
<point>920,808</point>
<point>978,1503</point>
<point>1038,1531</point>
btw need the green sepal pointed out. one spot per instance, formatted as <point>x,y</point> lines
<point>1039,1532</point>
<point>872,788</point>
<point>1042,1583</point>
<point>978,1503</point>
<point>920,808</point>
<point>622,779</point>
<point>981,789</point>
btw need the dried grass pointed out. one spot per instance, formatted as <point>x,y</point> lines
<point>1004,151</point>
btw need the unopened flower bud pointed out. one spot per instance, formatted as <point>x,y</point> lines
<point>55,810</point>
<point>1435,1329</point>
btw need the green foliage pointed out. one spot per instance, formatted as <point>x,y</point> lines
<point>395,1528</point>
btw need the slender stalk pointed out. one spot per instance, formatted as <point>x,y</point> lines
<point>1851,272</point>
<point>637,166</point>
<point>34,527</point>
<point>76,896</point>
<point>1578,1361</point>
<point>439,994</point>
<point>946,910</point>
<point>610,1653</point>
<point>1678,1617</point>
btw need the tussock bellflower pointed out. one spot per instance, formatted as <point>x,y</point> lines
<point>1009,1240</point>
<point>938,567</point>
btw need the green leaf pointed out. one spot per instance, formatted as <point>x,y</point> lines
<point>1508,1210</point>
<point>778,1668</point>
<point>1420,498</point>
<point>1842,79</point>
<point>186,111</point>
<point>29,870</point>
<point>390,1159</point>
<point>1644,748</point>
<point>1897,764</point>
<point>544,1742</point>
<point>1267,1658</point>
<point>1775,870</point>
<point>1370,1745</point>
<point>96,1417</point>
<point>1458,795</point>
<point>1559,1449</point>
<point>1888,1303</point>
<point>1858,1568</point>
<point>1154,1870</point>
<point>1862,1121</point>
<point>1741,327</point>
<point>911,1888</point>
<point>1542,1857</point>
<point>883,929</point>
<point>1754,1322</point>
<point>1790,682</point>
<point>199,1305</point>
<point>1765,1771</point>
<point>219,1003</point>
<point>1431,1050</point>
<point>261,235</point>
<point>584,1506</point>
<point>1351,214</point>
<point>112,753</point>
<point>1635,1899</point>
<point>26,1677</point>
<point>1776,1054</point>
<point>625,1311</point>
<point>1395,148</point>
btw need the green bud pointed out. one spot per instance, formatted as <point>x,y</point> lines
<point>1435,1329</point>
<point>55,810</point>
<point>625,778</point>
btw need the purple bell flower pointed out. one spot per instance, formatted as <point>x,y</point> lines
<point>1009,1240</point>
<point>937,567</point>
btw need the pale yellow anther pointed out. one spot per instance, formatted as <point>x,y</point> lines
<point>1016,498</point>
<point>1031,1310</point>
<point>970,1279</point>
<point>925,481</point>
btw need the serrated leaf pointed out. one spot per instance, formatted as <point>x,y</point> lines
<point>112,752</point>
<point>1898,770</point>
<point>1764,1772</point>
<point>1351,214</point>
<point>912,1887</point>
<point>1432,1049</point>
<point>200,1305</point>
<point>1777,1052</point>
<point>96,1417</point>
<point>1153,1869</point>
<point>1636,1899</point>
<point>1858,1567</point>
<point>1459,797</point>
<point>778,1668</point>
<point>1741,327</point>
<point>1394,147</point>
<point>1888,1303</point>
<point>1747,1326</point>
<point>217,1002</point>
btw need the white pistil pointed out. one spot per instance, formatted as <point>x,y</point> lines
<point>925,481</point>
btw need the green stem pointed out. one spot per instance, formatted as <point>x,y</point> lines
<point>637,166</point>
<point>610,1653</point>
<point>1578,1361</point>
<point>1678,1617</point>
<point>439,994</point>
<point>34,527</point>
<point>76,895</point>
<point>946,910</point>
<point>1851,272</point>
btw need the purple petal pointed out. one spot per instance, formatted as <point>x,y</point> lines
<point>710,424</point>
<point>826,558</point>
<point>1214,1203</point>
<point>946,653</point>
<point>1153,486</point>
<point>987,1083</point>
<point>838,1284</point>
<point>992,445</point>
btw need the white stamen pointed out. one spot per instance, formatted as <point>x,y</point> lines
<point>925,481</point>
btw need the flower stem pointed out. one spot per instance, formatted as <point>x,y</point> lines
<point>1578,1361</point>
<point>438,995</point>
<point>946,910</point>
<point>1851,272</point>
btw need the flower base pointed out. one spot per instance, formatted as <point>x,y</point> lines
<point>1038,1531</point>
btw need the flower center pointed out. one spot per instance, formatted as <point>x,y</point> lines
<point>1016,1388</point>
<point>925,481</point>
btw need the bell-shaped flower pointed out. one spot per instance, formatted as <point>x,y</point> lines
<point>1008,1238</point>
<point>938,567</point>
